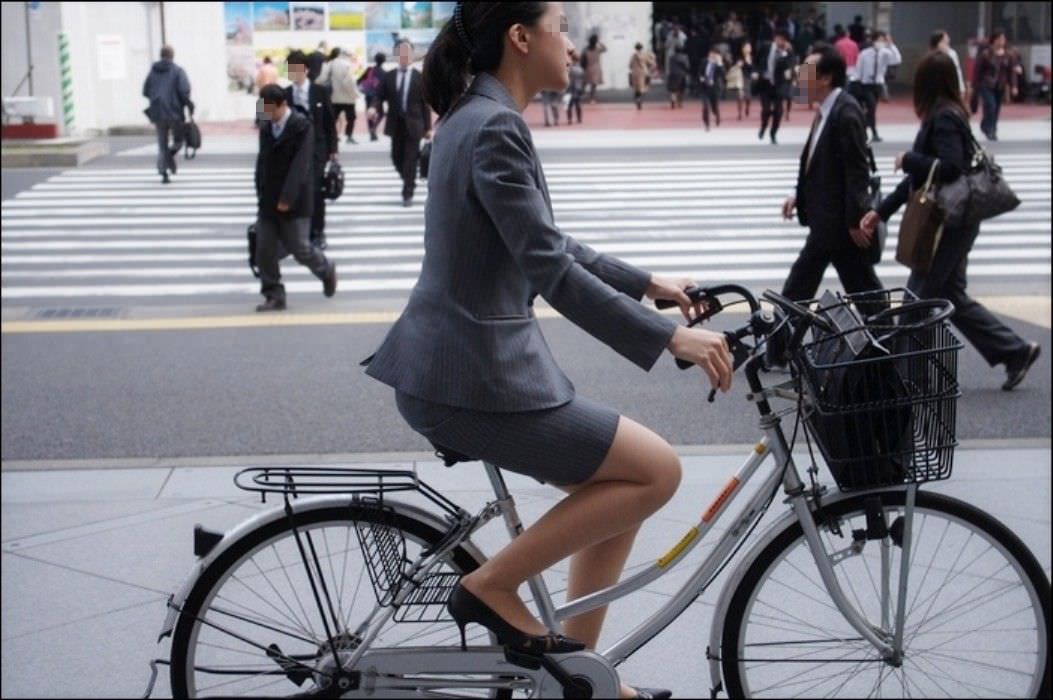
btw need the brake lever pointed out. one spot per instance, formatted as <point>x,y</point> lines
<point>740,351</point>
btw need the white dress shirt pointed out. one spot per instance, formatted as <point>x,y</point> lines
<point>874,62</point>
<point>302,95</point>
<point>824,113</point>
<point>279,126</point>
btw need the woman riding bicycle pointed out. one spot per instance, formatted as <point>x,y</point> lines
<point>471,369</point>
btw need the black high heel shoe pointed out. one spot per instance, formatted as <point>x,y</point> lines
<point>464,607</point>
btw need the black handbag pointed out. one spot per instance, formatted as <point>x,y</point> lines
<point>980,193</point>
<point>877,243</point>
<point>333,180</point>
<point>252,234</point>
<point>860,420</point>
<point>192,137</point>
<point>425,158</point>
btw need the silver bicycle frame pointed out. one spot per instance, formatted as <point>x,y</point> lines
<point>774,444</point>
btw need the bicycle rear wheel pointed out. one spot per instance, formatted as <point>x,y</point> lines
<point>977,622</point>
<point>257,598</point>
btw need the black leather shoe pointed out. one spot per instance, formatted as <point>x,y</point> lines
<point>464,607</point>
<point>1016,371</point>
<point>407,201</point>
<point>164,179</point>
<point>272,304</point>
<point>652,693</point>
<point>329,281</point>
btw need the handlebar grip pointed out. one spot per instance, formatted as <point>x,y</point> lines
<point>693,292</point>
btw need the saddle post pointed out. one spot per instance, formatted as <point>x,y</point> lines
<point>538,588</point>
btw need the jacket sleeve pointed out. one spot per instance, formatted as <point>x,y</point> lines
<point>328,121</point>
<point>301,165</point>
<point>146,85</point>
<point>851,135</point>
<point>626,278</point>
<point>948,143</point>
<point>258,173</point>
<point>503,179</point>
<point>891,204</point>
<point>183,87</point>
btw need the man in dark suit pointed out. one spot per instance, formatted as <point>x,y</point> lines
<point>712,78</point>
<point>313,101</point>
<point>774,81</point>
<point>832,184</point>
<point>285,198</point>
<point>408,116</point>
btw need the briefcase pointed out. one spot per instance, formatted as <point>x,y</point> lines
<point>921,228</point>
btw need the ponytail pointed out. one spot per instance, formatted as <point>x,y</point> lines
<point>472,42</point>
<point>446,70</point>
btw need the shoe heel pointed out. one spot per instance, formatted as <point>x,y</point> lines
<point>464,642</point>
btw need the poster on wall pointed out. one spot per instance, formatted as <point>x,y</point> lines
<point>258,30</point>
<point>347,16</point>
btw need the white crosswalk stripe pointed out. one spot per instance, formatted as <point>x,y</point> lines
<point>96,233</point>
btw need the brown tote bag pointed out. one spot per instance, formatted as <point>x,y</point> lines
<point>921,228</point>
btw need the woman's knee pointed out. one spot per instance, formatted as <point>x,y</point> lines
<point>640,456</point>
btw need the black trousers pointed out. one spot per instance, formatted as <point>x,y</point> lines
<point>771,110</point>
<point>405,156</point>
<point>854,270</point>
<point>290,235</point>
<point>318,217</point>
<point>349,109</point>
<point>710,101</point>
<point>871,94</point>
<point>165,151</point>
<point>946,280</point>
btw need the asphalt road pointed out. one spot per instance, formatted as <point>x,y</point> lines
<point>299,389</point>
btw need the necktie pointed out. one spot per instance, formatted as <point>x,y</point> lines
<point>811,139</point>
<point>403,85</point>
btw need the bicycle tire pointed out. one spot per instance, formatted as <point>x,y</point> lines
<point>744,605</point>
<point>344,516</point>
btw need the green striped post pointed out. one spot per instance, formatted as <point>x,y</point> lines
<point>66,71</point>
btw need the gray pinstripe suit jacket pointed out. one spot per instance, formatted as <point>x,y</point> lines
<point>468,336</point>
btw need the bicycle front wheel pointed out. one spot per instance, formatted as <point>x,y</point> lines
<point>252,627</point>
<point>977,602</point>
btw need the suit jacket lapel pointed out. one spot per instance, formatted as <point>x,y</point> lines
<point>827,128</point>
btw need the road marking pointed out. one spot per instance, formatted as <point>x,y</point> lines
<point>1031,309</point>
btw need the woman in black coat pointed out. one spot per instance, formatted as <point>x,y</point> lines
<point>945,135</point>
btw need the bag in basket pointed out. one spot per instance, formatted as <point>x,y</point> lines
<point>863,429</point>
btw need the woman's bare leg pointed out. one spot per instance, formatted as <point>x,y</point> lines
<point>596,523</point>
<point>639,474</point>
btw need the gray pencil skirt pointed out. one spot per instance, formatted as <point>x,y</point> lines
<point>560,446</point>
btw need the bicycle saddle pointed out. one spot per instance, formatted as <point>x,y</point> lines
<point>450,457</point>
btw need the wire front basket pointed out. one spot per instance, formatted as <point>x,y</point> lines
<point>882,392</point>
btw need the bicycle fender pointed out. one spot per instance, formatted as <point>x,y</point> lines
<point>788,519</point>
<point>300,505</point>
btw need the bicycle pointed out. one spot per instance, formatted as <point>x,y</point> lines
<point>820,604</point>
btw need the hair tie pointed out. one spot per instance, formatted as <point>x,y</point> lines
<point>458,23</point>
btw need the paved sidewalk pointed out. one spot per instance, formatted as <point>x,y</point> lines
<point>90,555</point>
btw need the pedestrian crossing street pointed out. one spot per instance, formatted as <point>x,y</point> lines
<point>101,235</point>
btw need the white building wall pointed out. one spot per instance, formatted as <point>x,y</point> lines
<point>196,31</point>
<point>620,25</point>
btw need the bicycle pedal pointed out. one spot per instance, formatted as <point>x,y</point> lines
<point>523,660</point>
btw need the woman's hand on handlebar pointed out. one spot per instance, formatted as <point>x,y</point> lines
<point>708,350</point>
<point>661,288</point>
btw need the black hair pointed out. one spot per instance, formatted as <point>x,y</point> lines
<point>638,46</point>
<point>472,42</point>
<point>272,94</point>
<point>266,59</point>
<point>839,31</point>
<point>936,37</point>
<point>334,53</point>
<point>400,41</point>
<point>831,63</point>
<point>379,58</point>
<point>783,32</point>
<point>595,39</point>
<point>936,87</point>
<point>997,33</point>
<point>296,57</point>
<point>877,34</point>
<point>167,53</point>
